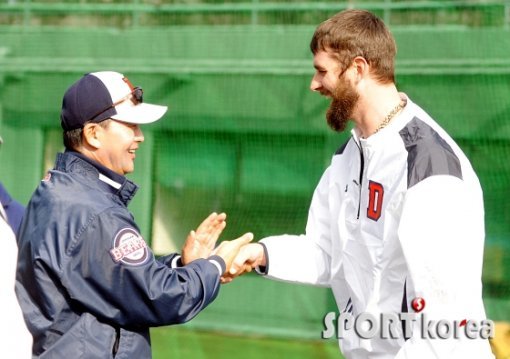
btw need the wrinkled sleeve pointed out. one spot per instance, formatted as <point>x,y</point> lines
<point>109,270</point>
<point>171,260</point>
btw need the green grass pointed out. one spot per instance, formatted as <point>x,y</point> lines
<point>181,342</point>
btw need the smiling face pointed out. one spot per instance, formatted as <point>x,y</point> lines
<point>116,146</point>
<point>331,81</point>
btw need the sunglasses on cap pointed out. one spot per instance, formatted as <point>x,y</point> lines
<point>136,96</point>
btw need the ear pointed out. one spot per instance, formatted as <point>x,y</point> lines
<point>362,67</point>
<point>92,134</point>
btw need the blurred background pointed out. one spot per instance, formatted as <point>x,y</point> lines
<point>246,136</point>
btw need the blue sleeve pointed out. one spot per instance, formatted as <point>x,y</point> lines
<point>13,209</point>
<point>172,260</point>
<point>110,271</point>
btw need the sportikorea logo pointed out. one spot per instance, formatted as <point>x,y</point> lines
<point>394,326</point>
<point>129,247</point>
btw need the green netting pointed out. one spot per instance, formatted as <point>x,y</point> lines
<point>124,14</point>
<point>244,134</point>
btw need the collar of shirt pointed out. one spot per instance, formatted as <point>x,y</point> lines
<point>105,178</point>
<point>112,178</point>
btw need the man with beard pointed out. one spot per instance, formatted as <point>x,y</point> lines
<point>396,223</point>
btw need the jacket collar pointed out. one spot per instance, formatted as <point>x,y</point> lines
<point>380,138</point>
<point>103,177</point>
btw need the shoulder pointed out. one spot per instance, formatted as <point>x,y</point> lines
<point>428,153</point>
<point>345,147</point>
<point>62,201</point>
<point>71,188</point>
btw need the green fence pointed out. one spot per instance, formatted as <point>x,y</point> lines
<point>141,13</point>
<point>244,134</point>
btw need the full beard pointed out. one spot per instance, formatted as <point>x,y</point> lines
<point>344,99</point>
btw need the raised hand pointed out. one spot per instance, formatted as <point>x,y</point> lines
<point>200,242</point>
<point>249,257</point>
<point>228,250</point>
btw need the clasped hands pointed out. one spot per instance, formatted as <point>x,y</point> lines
<point>240,255</point>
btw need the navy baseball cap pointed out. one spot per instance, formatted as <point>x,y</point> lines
<point>98,96</point>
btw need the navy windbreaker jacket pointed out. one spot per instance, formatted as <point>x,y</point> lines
<point>87,283</point>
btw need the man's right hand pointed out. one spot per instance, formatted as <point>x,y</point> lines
<point>229,250</point>
<point>250,256</point>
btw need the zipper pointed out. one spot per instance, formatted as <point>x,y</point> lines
<point>362,168</point>
<point>405,309</point>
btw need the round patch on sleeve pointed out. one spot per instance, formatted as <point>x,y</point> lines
<point>129,247</point>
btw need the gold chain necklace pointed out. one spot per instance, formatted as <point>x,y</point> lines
<point>390,116</point>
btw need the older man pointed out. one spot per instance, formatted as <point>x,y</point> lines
<point>88,284</point>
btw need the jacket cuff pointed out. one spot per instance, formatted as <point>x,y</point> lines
<point>263,270</point>
<point>219,263</point>
<point>176,262</point>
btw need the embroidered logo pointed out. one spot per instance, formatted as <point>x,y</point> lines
<point>129,247</point>
<point>375,200</point>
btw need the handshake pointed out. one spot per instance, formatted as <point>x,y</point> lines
<point>240,255</point>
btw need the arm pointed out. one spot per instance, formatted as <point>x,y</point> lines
<point>110,272</point>
<point>292,258</point>
<point>297,259</point>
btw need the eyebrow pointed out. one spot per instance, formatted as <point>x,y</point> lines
<point>319,68</point>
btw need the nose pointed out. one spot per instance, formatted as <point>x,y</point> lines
<point>315,84</point>
<point>139,134</point>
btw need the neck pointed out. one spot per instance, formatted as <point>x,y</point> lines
<point>374,108</point>
<point>100,167</point>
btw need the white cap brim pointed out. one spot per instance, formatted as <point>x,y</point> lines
<point>119,89</point>
<point>142,113</point>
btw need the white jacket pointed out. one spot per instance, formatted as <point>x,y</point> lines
<point>15,339</point>
<point>395,217</point>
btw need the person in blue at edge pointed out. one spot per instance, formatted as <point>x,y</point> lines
<point>12,208</point>
<point>88,285</point>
